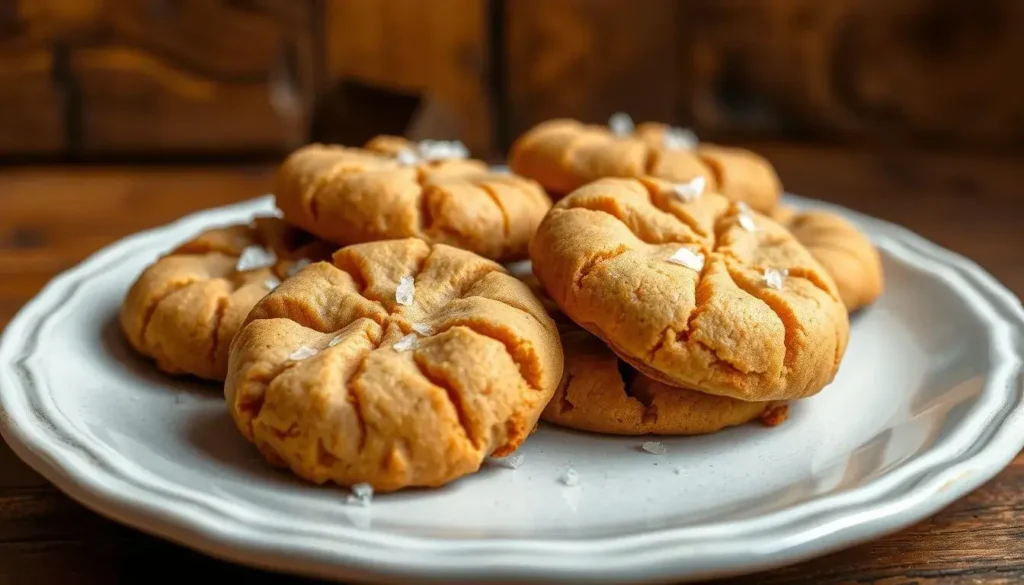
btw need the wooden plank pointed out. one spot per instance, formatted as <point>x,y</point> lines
<point>861,70</point>
<point>195,76</point>
<point>431,48</point>
<point>587,59</point>
<point>153,78</point>
<point>31,120</point>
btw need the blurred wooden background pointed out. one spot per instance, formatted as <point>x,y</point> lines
<point>120,80</point>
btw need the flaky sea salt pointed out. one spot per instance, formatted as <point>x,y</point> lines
<point>621,124</point>
<point>680,139</point>
<point>362,495</point>
<point>407,157</point>
<point>254,257</point>
<point>303,352</point>
<point>774,278</point>
<point>746,222</point>
<point>688,258</point>
<point>570,477</point>
<point>423,329</point>
<point>691,189</point>
<point>297,266</point>
<point>513,461</point>
<point>337,339</point>
<point>271,283</point>
<point>405,291</point>
<point>441,149</point>
<point>406,343</point>
<point>654,447</point>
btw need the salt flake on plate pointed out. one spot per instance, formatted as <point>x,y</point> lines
<point>620,124</point>
<point>362,495</point>
<point>303,352</point>
<point>406,343</point>
<point>570,477</point>
<point>423,329</point>
<point>654,447</point>
<point>691,189</point>
<point>513,461</point>
<point>405,291</point>
<point>337,339</point>
<point>688,258</point>
<point>253,257</point>
<point>774,278</point>
<point>680,139</point>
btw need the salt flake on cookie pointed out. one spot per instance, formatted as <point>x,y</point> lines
<point>254,257</point>
<point>688,258</point>
<point>680,139</point>
<point>405,291</point>
<point>423,329</point>
<point>690,190</point>
<point>774,278</point>
<point>407,343</point>
<point>303,352</point>
<point>621,124</point>
<point>442,149</point>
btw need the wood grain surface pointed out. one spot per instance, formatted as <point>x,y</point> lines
<point>135,77</point>
<point>51,218</point>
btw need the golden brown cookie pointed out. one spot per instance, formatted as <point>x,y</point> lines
<point>394,188</point>
<point>563,155</point>
<point>697,292</point>
<point>844,252</point>
<point>185,308</point>
<point>604,394</point>
<point>740,174</point>
<point>399,364</point>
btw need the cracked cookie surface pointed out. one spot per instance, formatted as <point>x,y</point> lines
<point>356,195</point>
<point>398,364</point>
<point>563,155</point>
<point>844,252</point>
<point>184,309</point>
<point>699,293</point>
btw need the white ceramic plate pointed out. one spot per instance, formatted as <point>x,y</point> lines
<point>926,407</point>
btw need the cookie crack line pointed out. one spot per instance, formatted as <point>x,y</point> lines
<point>147,316</point>
<point>790,329</point>
<point>676,212</point>
<point>518,359</point>
<point>506,221</point>
<point>218,318</point>
<point>454,398</point>
<point>595,261</point>
<point>630,228</point>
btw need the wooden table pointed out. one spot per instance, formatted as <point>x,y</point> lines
<point>50,218</point>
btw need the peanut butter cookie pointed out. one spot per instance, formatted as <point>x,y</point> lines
<point>185,308</point>
<point>563,155</point>
<point>394,188</point>
<point>844,252</point>
<point>693,290</point>
<point>400,364</point>
<point>604,394</point>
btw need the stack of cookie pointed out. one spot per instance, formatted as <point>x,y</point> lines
<point>691,300</point>
<point>372,334</point>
